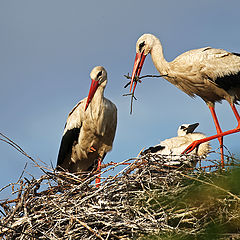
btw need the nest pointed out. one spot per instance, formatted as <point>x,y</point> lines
<point>145,198</point>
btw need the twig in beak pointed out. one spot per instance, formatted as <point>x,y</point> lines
<point>132,97</point>
<point>145,76</point>
<point>137,79</point>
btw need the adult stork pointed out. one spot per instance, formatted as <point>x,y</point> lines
<point>212,74</point>
<point>172,148</point>
<point>90,129</point>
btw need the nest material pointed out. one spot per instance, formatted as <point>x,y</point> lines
<point>146,197</point>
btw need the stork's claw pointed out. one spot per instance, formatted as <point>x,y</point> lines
<point>191,147</point>
<point>92,149</point>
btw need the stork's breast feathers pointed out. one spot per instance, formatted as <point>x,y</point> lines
<point>110,120</point>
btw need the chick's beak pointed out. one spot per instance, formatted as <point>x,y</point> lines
<point>192,127</point>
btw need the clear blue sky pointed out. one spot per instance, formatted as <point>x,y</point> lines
<point>48,48</point>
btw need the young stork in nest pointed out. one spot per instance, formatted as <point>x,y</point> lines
<point>172,148</point>
<point>90,129</point>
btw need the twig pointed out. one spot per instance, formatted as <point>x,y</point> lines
<point>17,231</point>
<point>19,149</point>
<point>89,228</point>
<point>138,79</point>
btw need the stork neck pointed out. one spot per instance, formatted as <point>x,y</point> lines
<point>97,101</point>
<point>158,58</point>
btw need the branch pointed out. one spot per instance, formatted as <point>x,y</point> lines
<point>19,149</point>
<point>96,233</point>
<point>137,79</point>
<point>132,98</point>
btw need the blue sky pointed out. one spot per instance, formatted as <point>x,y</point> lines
<point>48,48</point>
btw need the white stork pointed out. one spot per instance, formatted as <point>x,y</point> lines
<point>172,148</point>
<point>212,74</point>
<point>90,128</point>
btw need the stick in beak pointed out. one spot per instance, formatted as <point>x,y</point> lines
<point>137,67</point>
<point>93,88</point>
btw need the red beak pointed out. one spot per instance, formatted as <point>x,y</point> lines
<point>137,67</point>
<point>93,88</point>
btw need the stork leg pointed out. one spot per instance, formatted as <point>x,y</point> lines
<point>219,130</point>
<point>198,142</point>
<point>236,115</point>
<point>97,181</point>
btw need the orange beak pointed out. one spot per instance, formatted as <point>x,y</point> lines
<point>93,88</point>
<point>137,67</point>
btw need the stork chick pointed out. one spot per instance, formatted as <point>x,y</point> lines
<point>172,148</point>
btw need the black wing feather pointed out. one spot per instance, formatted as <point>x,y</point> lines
<point>237,54</point>
<point>69,139</point>
<point>154,149</point>
<point>228,81</point>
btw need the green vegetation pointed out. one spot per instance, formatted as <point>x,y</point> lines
<point>200,206</point>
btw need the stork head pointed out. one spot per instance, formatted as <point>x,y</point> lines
<point>144,46</point>
<point>185,129</point>
<point>99,78</point>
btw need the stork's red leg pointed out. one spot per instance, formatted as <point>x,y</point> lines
<point>236,115</point>
<point>92,149</point>
<point>219,130</point>
<point>198,142</point>
<point>235,130</point>
<point>97,181</point>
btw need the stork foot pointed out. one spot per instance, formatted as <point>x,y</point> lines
<point>97,181</point>
<point>92,149</point>
<point>191,147</point>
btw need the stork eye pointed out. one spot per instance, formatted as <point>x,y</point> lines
<point>99,74</point>
<point>141,45</point>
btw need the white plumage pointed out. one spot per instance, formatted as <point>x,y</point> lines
<point>172,148</point>
<point>90,128</point>
<point>212,74</point>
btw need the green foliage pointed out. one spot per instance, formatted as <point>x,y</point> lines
<point>199,206</point>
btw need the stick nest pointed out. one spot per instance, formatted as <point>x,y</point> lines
<point>145,197</point>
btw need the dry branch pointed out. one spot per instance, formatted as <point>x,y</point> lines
<point>137,79</point>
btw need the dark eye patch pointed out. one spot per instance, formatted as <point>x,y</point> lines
<point>99,74</point>
<point>182,127</point>
<point>141,45</point>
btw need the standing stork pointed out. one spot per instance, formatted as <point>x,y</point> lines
<point>90,128</point>
<point>212,74</point>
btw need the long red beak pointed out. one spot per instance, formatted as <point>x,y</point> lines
<point>93,88</point>
<point>137,67</point>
